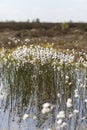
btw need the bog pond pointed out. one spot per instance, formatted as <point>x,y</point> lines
<point>43,89</point>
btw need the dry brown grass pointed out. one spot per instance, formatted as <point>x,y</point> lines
<point>75,36</point>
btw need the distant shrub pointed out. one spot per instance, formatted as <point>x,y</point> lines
<point>37,20</point>
<point>64,25</point>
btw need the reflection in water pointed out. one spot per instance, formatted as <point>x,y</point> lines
<point>63,91</point>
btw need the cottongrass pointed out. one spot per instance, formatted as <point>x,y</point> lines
<point>35,67</point>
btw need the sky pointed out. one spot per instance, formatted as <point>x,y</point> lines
<point>45,10</point>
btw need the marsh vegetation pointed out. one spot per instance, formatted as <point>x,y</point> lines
<point>43,88</point>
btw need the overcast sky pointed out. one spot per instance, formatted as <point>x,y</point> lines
<point>45,10</point>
